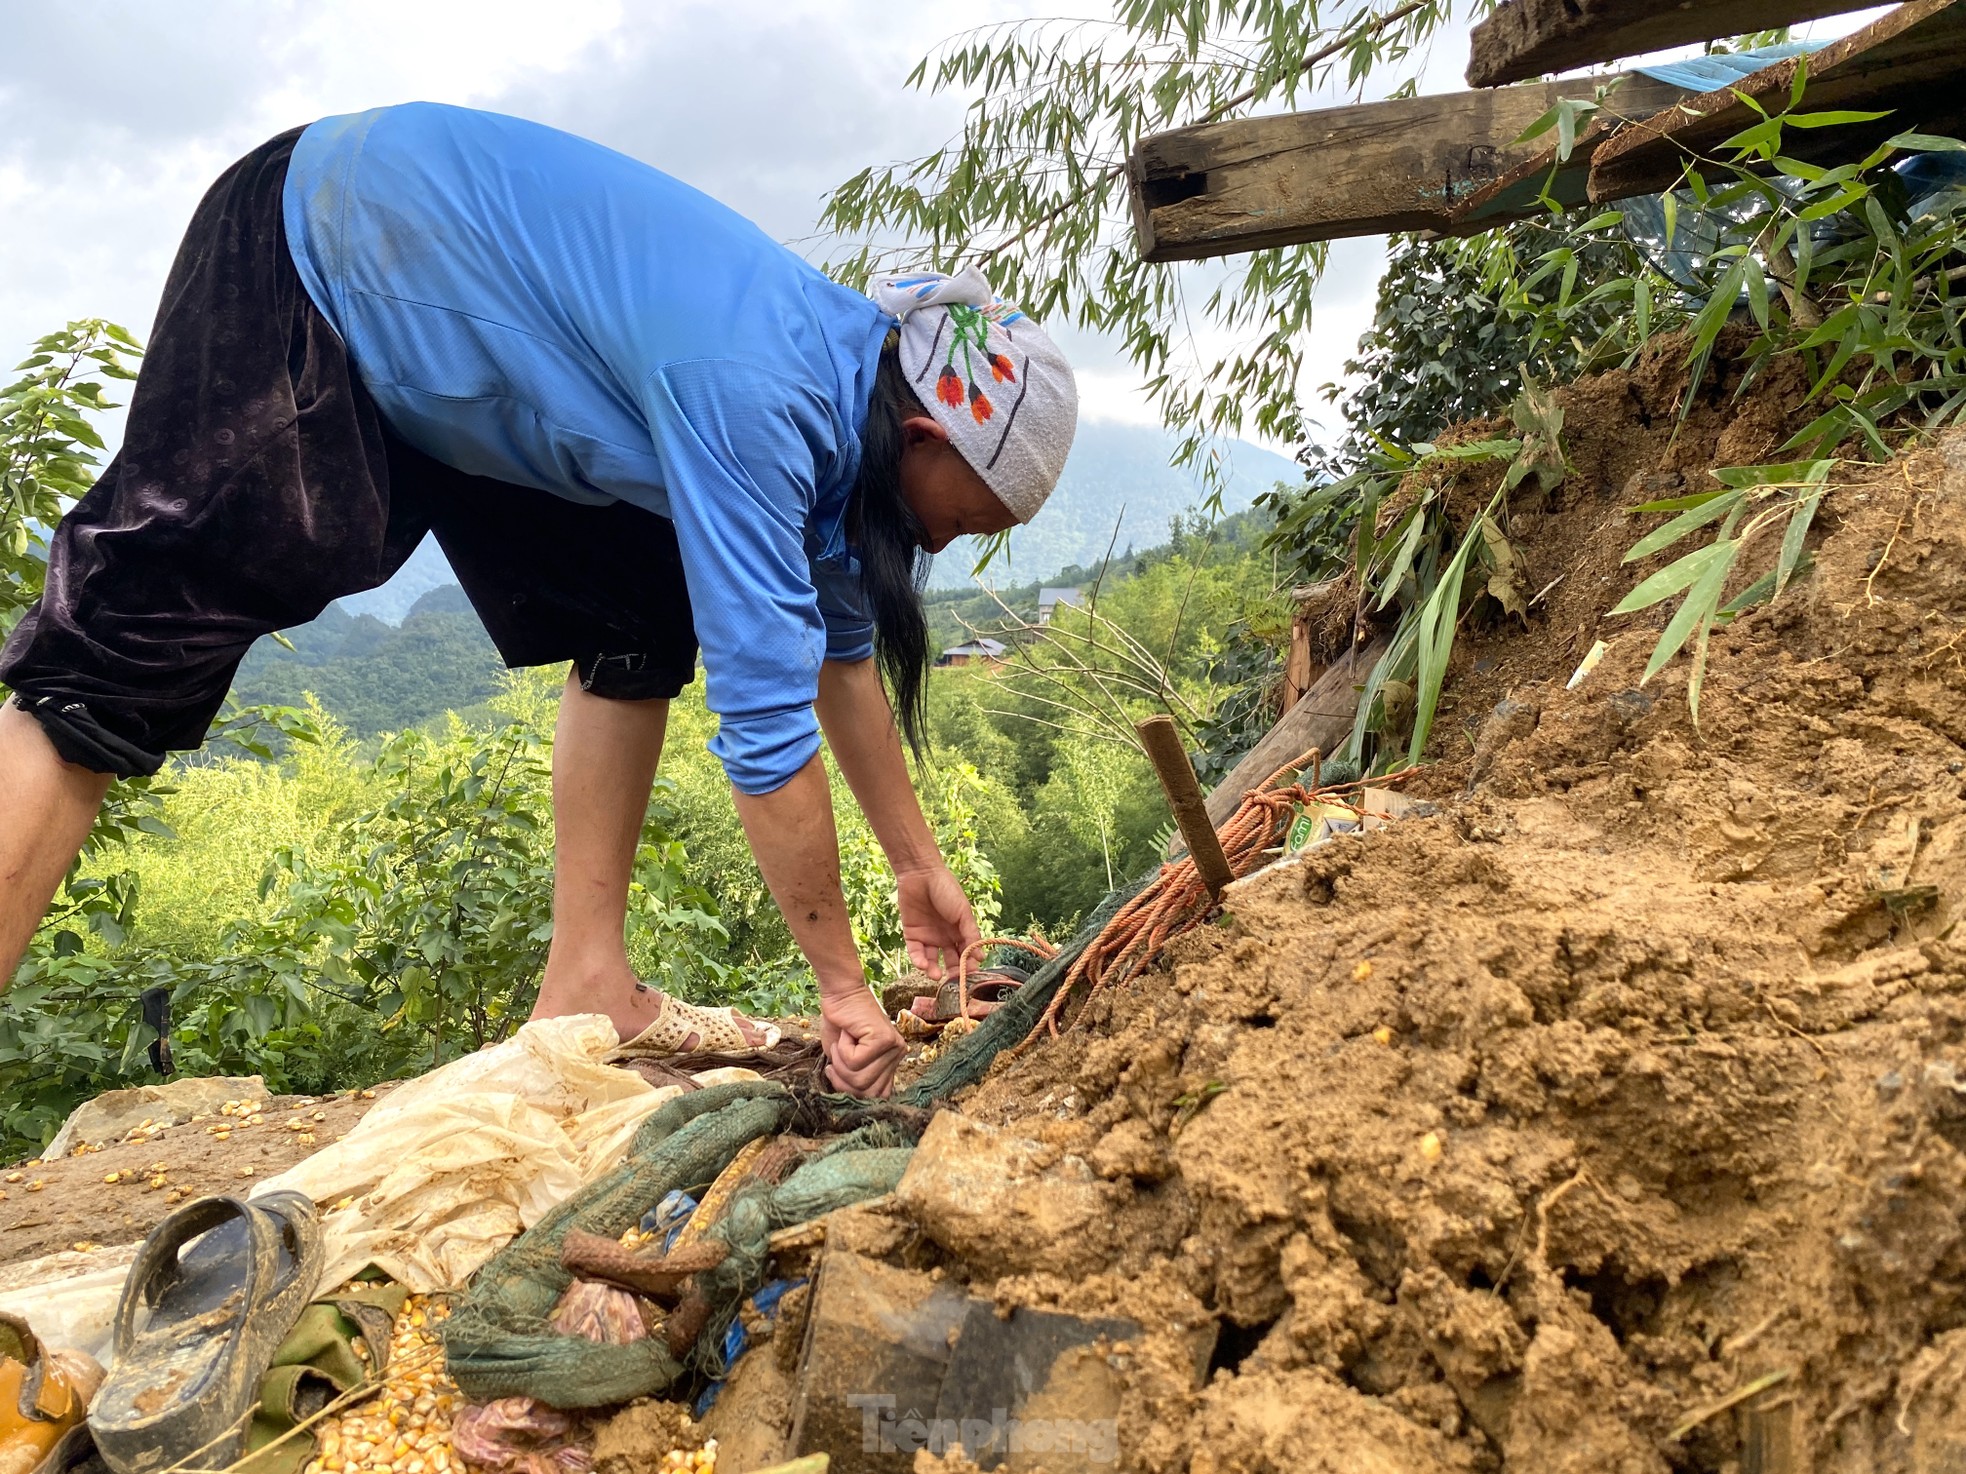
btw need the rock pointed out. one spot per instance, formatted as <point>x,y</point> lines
<point>752,1414</point>
<point>111,1115</point>
<point>1036,1390</point>
<point>1001,1204</point>
<point>897,1363</point>
<point>876,1348</point>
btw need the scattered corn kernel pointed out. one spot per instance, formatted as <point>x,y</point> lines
<point>113,1177</point>
<point>1383,1034</point>
<point>1430,1147</point>
<point>368,1095</point>
<point>16,1176</point>
<point>157,1182</point>
<point>85,1247</point>
<point>1362,973</point>
<point>306,1138</point>
<point>36,1185</point>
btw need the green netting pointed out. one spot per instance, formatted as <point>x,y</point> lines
<point>498,1342</point>
<point>835,1180</point>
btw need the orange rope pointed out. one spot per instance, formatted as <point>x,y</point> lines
<point>1176,901</point>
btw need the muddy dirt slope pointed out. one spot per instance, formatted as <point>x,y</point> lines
<point>1615,1118</point>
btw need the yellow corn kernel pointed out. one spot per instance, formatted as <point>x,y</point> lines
<point>1383,1034</point>
<point>36,1185</point>
<point>1430,1147</point>
<point>245,1172</point>
<point>1362,973</point>
<point>16,1176</point>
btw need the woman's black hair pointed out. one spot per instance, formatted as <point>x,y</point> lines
<point>887,538</point>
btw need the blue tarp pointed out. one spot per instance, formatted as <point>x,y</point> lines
<point>1724,68</point>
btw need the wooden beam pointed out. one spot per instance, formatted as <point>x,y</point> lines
<point>1249,183</point>
<point>1519,194</point>
<point>1911,62</point>
<point>1532,38</point>
<point>1323,719</point>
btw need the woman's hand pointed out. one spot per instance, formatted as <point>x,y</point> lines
<point>863,1049</point>
<point>936,919</point>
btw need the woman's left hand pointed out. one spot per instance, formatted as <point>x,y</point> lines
<point>936,919</point>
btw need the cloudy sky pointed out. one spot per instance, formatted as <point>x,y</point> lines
<point>114,117</point>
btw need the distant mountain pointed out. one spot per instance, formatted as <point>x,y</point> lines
<point>1114,466</point>
<point>1111,466</point>
<point>426,569</point>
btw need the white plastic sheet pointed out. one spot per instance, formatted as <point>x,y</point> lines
<point>438,1177</point>
<point>449,1168</point>
<point>69,1298</point>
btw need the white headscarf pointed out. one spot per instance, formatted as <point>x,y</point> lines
<point>990,376</point>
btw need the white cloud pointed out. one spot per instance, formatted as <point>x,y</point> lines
<point>764,105</point>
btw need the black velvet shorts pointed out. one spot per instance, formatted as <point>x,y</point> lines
<point>257,482</point>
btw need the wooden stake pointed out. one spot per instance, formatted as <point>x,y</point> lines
<point>1162,739</point>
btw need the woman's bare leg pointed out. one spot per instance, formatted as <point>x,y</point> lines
<point>604,760</point>
<point>46,808</point>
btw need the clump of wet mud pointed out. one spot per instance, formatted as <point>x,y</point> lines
<point>1615,1117</point>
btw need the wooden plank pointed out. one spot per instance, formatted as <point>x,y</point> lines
<point>1323,719</point>
<point>1911,62</point>
<point>1518,194</point>
<point>1249,183</point>
<point>1532,38</point>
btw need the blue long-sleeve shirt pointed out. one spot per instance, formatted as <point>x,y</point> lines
<point>527,305</point>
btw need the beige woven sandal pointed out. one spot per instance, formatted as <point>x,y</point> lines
<point>674,1023</point>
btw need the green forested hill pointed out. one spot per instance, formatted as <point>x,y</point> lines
<point>376,677</point>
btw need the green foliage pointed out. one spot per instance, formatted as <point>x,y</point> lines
<point>1034,188</point>
<point>1826,265</point>
<point>47,446</point>
<point>949,803</point>
<point>378,677</point>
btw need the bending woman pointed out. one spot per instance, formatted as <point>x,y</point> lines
<point>637,426</point>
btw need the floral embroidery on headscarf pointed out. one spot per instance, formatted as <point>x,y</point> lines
<point>970,338</point>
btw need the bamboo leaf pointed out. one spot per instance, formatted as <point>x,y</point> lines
<point>1669,580</point>
<point>1696,612</point>
<point>1794,539</point>
<point>1697,517</point>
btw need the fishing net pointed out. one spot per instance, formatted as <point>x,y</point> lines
<point>969,1059</point>
<point>497,1340</point>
